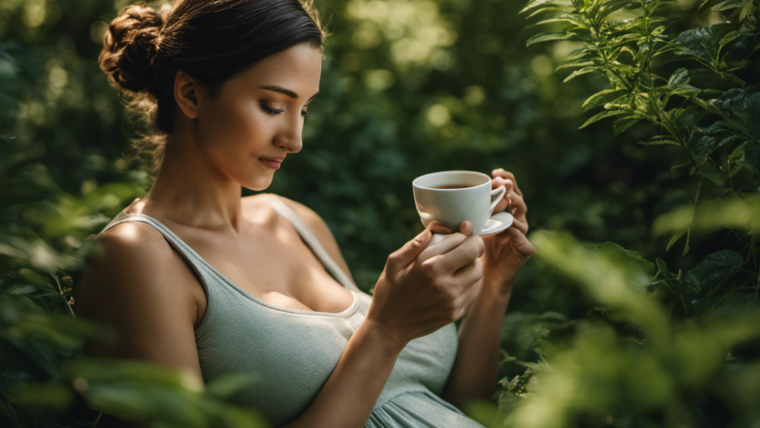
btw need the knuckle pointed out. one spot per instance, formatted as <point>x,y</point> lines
<point>429,269</point>
<point>393,258</point>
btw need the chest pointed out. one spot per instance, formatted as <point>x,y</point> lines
<point>272,264</point>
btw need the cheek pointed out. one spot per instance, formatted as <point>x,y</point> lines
<point>229,129</point>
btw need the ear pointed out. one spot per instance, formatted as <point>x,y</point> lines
<point>186,92</point>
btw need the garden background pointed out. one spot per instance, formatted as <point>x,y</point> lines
<point>640,308</point>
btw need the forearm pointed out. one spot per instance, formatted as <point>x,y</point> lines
<point>350,394</point>
<point>475,371</point>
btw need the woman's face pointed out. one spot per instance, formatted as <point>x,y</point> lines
<point>260,114</point>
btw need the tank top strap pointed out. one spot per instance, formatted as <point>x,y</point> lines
<point>313,242</point>
<point>195,260</point>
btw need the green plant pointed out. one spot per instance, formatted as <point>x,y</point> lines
<point>663,348</point>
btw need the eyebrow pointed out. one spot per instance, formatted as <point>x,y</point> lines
<point>287,92</point>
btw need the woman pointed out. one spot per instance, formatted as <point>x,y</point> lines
<point>195,277</point>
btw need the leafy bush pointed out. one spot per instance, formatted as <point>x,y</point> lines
<point>410,87</point>
<point>663,348</point>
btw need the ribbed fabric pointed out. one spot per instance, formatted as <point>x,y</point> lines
<point>292,352</point>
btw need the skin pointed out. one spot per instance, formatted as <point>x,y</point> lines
<point>155,309</point>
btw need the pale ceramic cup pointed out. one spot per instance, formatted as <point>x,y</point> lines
<point>453,206</point>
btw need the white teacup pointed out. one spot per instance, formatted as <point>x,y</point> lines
<point>474,201</point>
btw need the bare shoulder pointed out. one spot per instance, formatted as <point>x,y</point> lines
<point>140,286</point>
<point>317,226</point>
<point>131,253</point>
<point>131,241</point>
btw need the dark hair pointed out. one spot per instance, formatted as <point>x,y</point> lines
<point>210,40</point>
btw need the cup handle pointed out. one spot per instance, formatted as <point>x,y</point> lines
<point>496,196</point>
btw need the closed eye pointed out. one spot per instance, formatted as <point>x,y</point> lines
<point>273,111</point>
<point>270,110</point>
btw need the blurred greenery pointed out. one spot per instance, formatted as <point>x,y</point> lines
<point>641,308</point>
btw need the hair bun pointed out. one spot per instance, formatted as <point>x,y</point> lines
<point>129,47</point>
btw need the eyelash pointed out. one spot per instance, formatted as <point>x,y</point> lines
<point>270,110</point>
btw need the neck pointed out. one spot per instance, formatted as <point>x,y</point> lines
<point>189,189</point>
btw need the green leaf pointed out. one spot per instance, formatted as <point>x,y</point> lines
<point>545,37</point>
<point>730,37</point>
<point>574,64</point>
<point>612,7</point>
<point>679,77</point>
<point>673,239</point>
<point>540,3</point>
<point>621,124</point>
<point>662,268</point>
<point>736,158</point>
<point>711,172</point>
<point>599,98</point>
<point>705,3</point>
<point>714,269</point>
<point>702,43</point>
<point>602,115</point>
<point>41,395</point>
<point>580,72</point>
<point>565,17</point>
<point>730,4</point>
<point>35,278</point>
<point>660,143</point>
<point>703,147</point>
<point>681,160</point>
<point>741,213</point>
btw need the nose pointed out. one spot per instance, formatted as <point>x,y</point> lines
<point>289,137</point>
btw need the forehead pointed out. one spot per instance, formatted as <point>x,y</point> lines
<point>297,68</point>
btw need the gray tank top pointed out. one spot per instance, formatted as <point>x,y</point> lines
<point>292,352</point>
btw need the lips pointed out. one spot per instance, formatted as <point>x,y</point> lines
<point>271,163</point>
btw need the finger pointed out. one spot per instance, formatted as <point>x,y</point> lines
<point>501,181</point>
<point>517,206</point>
<point>519,225</point>
<point>449,242</point>
<point>469,274</point>
<point>410,251</point>
<point>465,228</point>
<point>500,172</point>
<point>436,226</point>
<point>472,248</point>
<point>521,243</point>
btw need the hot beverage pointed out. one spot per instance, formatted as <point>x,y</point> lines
<point>474,199</point>
<point>450,187</point>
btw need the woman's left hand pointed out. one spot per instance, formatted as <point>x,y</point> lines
<point>506,251</point>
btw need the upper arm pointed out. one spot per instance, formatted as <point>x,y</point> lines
<point>321,231</point>
<point>140,287</point>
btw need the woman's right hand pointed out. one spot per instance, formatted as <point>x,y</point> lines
<point>424,287</point>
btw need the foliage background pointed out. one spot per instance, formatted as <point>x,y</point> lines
<point>408,87</point>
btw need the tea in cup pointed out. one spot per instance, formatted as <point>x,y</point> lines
<point>451,197</point>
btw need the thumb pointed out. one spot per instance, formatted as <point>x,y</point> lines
<point>521,243</point>
<point>410,251</point>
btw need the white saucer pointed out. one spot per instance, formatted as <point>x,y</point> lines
<point>497,223</point>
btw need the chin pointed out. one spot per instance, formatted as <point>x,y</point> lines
<point>258,185</point>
